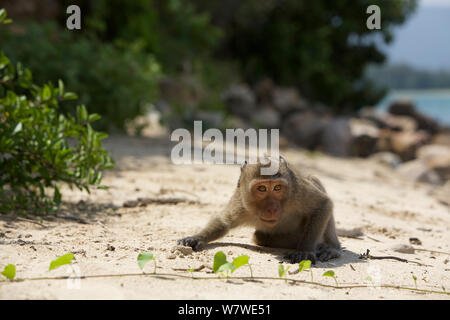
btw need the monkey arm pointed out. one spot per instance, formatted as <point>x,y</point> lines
<point>218,225</point>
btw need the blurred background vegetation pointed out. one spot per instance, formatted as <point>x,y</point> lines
<point>128,52</point>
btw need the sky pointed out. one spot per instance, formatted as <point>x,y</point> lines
<point>424,40</point>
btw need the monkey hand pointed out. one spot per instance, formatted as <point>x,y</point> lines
<point>299,256</point>
<point>193,242</point>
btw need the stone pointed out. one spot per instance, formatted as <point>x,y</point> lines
<point>386,158</point>
<point>336,139</point>
<point>240,101</point>
<point>304,128</point>
<point>403,248</point>
<point>182,250</point>
<point>418,171</point>
<point>288,99</point>
<point>266,118</point>
<point>407,108</point>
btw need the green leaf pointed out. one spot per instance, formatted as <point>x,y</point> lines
<point>240,261</point>
<point>94,117</point>
<point>226,267</point>
<point>282,271</point>
<point>219,259</point>
<point>329,273</point>
<point>304,265</point>
<point>143,258</point>
<point>60,261</point>
<point>70,96</point>
<point>46,93</point>
<point>9,271</point>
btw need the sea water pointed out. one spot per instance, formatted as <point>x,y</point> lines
<point>433,103</point>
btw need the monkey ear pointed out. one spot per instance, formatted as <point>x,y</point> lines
<point>244,164</point>
<point>282,160</point>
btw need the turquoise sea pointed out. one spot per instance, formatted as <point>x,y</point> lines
<point>434,103</point>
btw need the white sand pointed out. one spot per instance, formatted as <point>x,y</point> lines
<point>390,209</point>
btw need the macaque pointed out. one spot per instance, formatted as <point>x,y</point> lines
<point>287,210</point>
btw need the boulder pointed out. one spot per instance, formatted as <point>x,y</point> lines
<point>336,139</point>
<point>400,123</point>
<point>406,108</point>
<point>240,101</point>
<point>287,100</point>
<point>264,91</point>
<point>418,171</point>
<point>436,157</point>
<point>403,143</point>
<point>304,128</point>
<point>442,138</point>
<point>211,119</point>
<point>266,118</point>
<point>365,135</point>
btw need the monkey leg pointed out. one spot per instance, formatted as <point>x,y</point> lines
<point>330,248</point>
<point>312,232</point>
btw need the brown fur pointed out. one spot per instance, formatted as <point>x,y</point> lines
<point>300,214</point>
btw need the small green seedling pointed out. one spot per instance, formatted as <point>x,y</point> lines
<point>415,280</point>
<point>60,261</point>
<point>305,265</point>
<point>223,267</point>
<point>145,257</point>
<point>242,261</point>
<point>330,273</point>
<point>369,278</point>
<point>9,271</point>
<point>282,270</point>
<point>191,271</point>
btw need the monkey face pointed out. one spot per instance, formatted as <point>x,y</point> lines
<point>267,196</point>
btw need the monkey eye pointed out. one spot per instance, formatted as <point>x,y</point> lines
<point>262,188</point>
<point>277,187</point>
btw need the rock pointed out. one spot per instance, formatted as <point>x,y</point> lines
<point>266,118</point>
<point>304,128</point>
<point>436,157</point>
<point>240,101</point>
<point>406,143</point>
<point>418,171</point>
<point>415,241</point>
<point>211,119</point>
<point>400,123</point>
<point>110,248</point>
<point>373,115</point>
<point>386,158</point>
<point>336,139</point>
<point>343,137</point>
<point>442,138</point>
<point>406,108</point>
<point>182,250</point>
<point>288,99</point>
<point>130,204</point>
<point>171,256</point>
<point>264,91</point>
<point>442,194</point>
<point>365,135</point>
<point>403,248</point>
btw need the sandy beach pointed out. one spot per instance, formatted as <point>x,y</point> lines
<point>107,236</point>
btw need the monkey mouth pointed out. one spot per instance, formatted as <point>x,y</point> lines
<point>269,221</point>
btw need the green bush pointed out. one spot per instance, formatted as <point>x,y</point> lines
<point>114,83</point>
<point>39,146</point>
